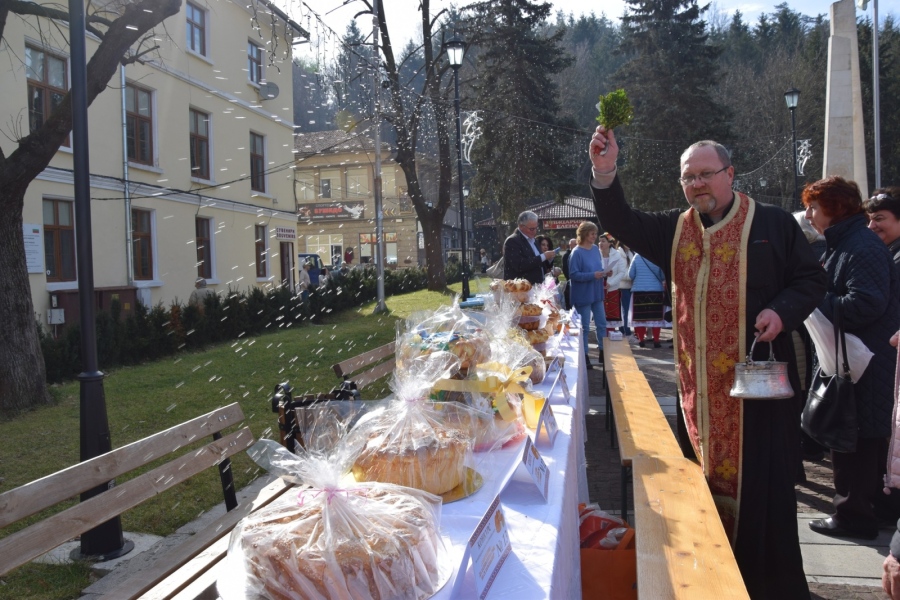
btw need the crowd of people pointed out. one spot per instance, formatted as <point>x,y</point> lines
<point>600,275</point>
<point>727,273</point>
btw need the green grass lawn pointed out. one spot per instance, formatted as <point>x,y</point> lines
<point>145,399</point>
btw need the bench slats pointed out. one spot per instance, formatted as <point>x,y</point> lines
<point>353,365</point>
<point>189,560</point>
<point>374,374</point>
<point>31,542</point>
<point>682,548</point>
<point>48,491</point>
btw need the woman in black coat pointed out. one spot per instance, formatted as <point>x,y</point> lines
<point>863,282</point>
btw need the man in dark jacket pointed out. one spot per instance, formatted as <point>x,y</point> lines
<point>738,269</point>
<point>565,269</point>
<point>522,259</point>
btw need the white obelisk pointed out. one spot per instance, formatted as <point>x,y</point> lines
<point>845,150</point>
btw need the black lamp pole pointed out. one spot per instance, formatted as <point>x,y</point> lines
<point>792,98</point>
<point>456,49</point>
<point>105,541</point>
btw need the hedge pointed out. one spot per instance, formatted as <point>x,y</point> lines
<point>153,333</point>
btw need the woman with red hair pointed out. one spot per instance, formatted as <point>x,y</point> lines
<point>864,284</point>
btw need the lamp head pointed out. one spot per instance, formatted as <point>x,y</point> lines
<point>456,49</point>
<point>792,98</point>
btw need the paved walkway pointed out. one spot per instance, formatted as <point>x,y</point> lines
<point>836,569</point>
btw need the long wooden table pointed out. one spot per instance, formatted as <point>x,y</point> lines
<point>639,424</point>
<point>682,549</point>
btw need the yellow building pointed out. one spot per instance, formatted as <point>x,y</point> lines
<point>207,188</point>
<point>335,175</point>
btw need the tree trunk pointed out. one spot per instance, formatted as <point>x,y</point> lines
<point>22,374</point>
<point>432,224</point>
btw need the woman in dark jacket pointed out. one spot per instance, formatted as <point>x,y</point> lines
<point>544,244</point>
<point>863,282</point>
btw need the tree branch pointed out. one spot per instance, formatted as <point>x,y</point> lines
<point>23,7</point>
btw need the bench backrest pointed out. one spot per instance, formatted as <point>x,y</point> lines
<point>367,367</point>
<point>29,543</point>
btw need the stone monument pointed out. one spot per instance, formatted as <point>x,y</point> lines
<point>845,150</point>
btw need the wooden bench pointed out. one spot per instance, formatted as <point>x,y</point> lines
<point>639,424</point>
<point>361,370</point>
<point>367,367</point>
<point>41,537</point>
<point>682,547</point>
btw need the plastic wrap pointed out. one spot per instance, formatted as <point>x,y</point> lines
<point>447,329</point>
<point>414,442</point>
<point>335,539</point>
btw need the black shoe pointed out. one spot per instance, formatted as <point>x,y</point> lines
<point>831,528</point>
<point>587,363</point>
<point>600,356</point>
<point>657,345</point>
<point>641,344</point>
<point>813,455</point>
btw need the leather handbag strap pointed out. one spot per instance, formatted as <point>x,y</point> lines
<point>839,329</point>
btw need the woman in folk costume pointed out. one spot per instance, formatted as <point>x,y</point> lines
<point>738,269</point>
<point>648,298</point>
<point>586,275</point>
<point>612,261</point>
<point>865,285</point>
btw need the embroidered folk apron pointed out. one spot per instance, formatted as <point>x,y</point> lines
<point>709,273</point>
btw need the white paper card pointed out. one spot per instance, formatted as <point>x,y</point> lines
<point>547,420</point>
<point>488,549</point>
<point>537,468</point>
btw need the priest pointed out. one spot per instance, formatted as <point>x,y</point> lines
<point>738,270</point>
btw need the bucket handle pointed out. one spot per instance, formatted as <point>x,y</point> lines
<point>753,345</point>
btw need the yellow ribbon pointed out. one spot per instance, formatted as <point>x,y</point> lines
<point>509,381</point>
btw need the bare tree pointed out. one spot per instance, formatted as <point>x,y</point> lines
<point>120,27</point>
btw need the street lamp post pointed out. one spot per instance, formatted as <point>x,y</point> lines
<point>792,97</point>
<point>456,49</point>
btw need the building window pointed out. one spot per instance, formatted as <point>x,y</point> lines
<point>142,243</point>
<point>196,28</point>
<point>139,124</point>
<point>59,240</point>
<point>262,270</point>
<point>257,162</point>
<point>255,62</point>
<point>325,188</point>
<point>204,248</point>
<point>199,144</point>
<point>47,85</point>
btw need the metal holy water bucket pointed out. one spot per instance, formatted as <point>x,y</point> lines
<point>763,380</point>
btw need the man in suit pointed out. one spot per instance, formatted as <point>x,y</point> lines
<point>565,268</point>
<point>522,259</point>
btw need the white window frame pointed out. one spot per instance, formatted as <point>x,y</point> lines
<point>154,131</point>
<point>262,64</point>
<point>213,274</point>
<point>211,157</point>
<point>207,29</point>
<point>154,254</point>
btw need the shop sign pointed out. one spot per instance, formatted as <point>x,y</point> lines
<point>285,233</point>
<point>332,211</point>
<point>562,223</point>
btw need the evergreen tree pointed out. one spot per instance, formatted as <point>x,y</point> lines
<point>355,65</point>
<point>670,79</point>
<point>521,153</point>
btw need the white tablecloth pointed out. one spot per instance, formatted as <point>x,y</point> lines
<point>545,560</point>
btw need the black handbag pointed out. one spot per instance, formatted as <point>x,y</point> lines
<point>829,416</point>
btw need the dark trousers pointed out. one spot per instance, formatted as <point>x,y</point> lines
<point>858,480</point>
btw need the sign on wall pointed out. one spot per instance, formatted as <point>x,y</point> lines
<point>561,223</point>
<point>34,249</point>
<point>331,211</point>
<point>285,233</point>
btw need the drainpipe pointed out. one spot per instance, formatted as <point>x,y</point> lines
<point>129,244</point>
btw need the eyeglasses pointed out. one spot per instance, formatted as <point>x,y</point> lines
<point>703,177</point>
<point>531,228</point>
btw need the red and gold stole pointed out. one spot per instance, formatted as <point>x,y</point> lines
<point>709,281</point>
